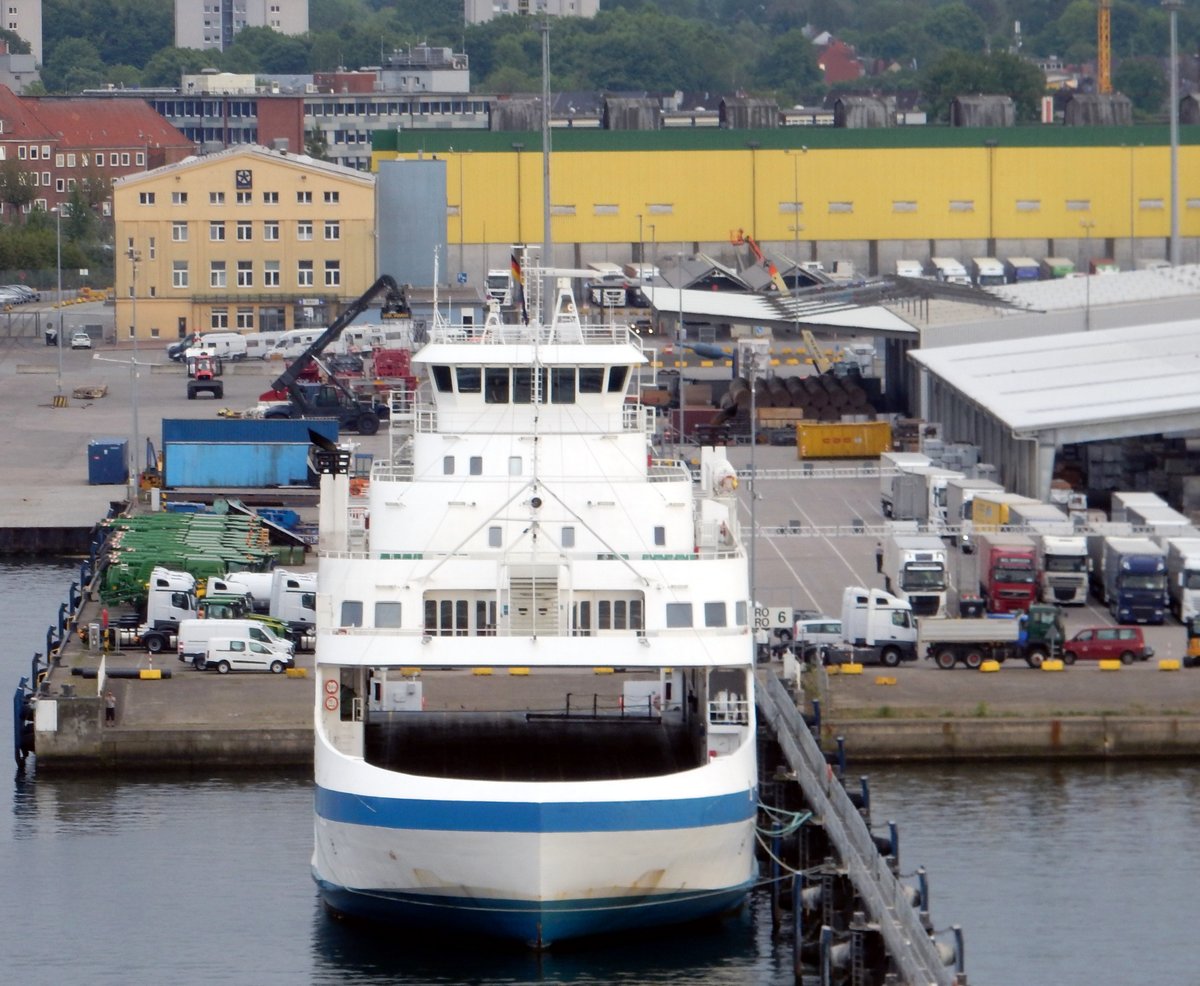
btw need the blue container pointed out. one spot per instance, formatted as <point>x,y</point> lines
<point>108,461</point>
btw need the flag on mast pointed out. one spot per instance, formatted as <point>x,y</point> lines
<point>519,287</point>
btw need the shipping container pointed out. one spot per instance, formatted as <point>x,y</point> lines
<point>108,464</point>
<point>859,440</point>
<point>241,452</point>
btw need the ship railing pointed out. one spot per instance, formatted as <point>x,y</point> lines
<point>568,331</point>
<point>729,712</point>
<point>603,642</point>
<point>668,471</point>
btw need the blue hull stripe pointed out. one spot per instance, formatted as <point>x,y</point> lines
<point>522,816</point>
<point>530,922</point>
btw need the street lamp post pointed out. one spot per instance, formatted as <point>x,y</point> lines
<point>58,296</point>
<point>1087,225</point>
<point>796,227</point>
<point>519,147</point>
<point>753,145</point>
<point>641,248</point>
<point>134,455</point>
<point>991,172</point>
<point>1172,6</point>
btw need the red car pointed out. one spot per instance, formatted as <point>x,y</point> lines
<point>1104,643</point>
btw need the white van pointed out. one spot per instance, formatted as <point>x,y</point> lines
<point>194,635</point>
<point>293,342</point>
<point>259,344</point>
<point>227,654</point>
<point>226,345</point>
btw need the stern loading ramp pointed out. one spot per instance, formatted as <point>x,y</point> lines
<point>1021,400</point>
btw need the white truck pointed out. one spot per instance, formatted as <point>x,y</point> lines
<point>1158,520</point>
<point>1122,501</point>
<point>914,570</point>
<point>170,597</point>
<point>1062,552</point>
<point>987,272</point>
<point>877,628</point>
<point>499,285</point>
<point>949,270</point>
<point>897,490</point>
<point>934,509</point>
<point>1183,576</point>
<point>960,492</point>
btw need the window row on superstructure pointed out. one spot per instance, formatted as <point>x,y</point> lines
<point>522,385</point>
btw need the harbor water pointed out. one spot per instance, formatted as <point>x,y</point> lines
<point>1064,875</point>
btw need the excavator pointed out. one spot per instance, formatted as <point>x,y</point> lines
<point>741,238</point>
<point>334,399</point>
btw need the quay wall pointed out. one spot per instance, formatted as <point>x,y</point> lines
<point>965,738</point>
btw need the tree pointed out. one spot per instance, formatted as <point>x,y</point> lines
<point>999,74</point>
<point>167,66</point>
<point>1141,79</point>
<point>16,44</point>
<point>14,187</point>
<point>956,26</point>
<point>315,144</point>
<point>788,66</point>
<point>73,65</point>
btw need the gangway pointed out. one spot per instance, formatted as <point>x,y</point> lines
<point>915,955</point>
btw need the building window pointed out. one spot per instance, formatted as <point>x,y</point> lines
<point>333,229</point>
<point>245,231</point>
<point>140,159</point>
<point>216,198</point>
<point>179,198</point>
<point>59,185</point>
<point>304,197</point>
<point>271,231</point>
<point>304,274</point>
<point>304,231</point>
<point>333,273</point>
<point>270,198</point>
<point>179,232</point>
<point>245,273</point>
<point>124,159</point>
<point>219,318</point>
<point>216,274</point>
<point>70,181</point>
<point>179,273</point>
<point>216,231</point>
<point>151,249</point>
<point>58,160</point>
<point>144,198</point>
<point>332,198</point>
<point>244,198</point>
<point>245,318</point>
<point>271,273</point>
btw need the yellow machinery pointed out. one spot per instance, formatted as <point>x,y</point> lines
<point>1104,48</point>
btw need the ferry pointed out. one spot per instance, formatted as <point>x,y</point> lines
<point>534,704</point>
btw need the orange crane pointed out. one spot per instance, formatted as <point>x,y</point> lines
<point>1104,47</point>
<point>740,238</point>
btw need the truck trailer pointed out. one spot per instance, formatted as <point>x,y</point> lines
<point>1007,571</point>
<point>892,487</point>
<point>1183,576</point>
<point>1129,575</point>
<point>914,569</point>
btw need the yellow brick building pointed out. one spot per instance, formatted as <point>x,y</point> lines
<point>248,239</point>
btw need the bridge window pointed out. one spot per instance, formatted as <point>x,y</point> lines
<point>617,375</point>
<point>495,385</point>
<point>714,615</point>
<point>522,384</point>
<point>562,385</point>
<point>679,615</point>
<point>387,614</point>
<point>441,379</point>
<point>352,613</point>
<point>470,379</point>
<point>591,379</point>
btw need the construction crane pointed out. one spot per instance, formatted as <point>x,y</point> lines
<point>740,238</point>
<point>1104,48</point>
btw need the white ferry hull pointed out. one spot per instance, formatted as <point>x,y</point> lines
<point>534,872</point>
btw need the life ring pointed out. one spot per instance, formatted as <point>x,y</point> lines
<point>331,703</point>
<point>331,686</point>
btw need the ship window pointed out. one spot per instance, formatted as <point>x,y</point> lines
<point>493,537</point>
<point>469,379</point>
<point>591,379</point>
<point>714,615</point>
<point>514,465</point>
<point>562,380</point>
<point>387,614</point>
<point>568,537</point>
<point>660,536</point>
<point>581,619</point>
<point>616,378</point>
<point>477,465</point>
<point>441,379</point>
<point>679,614</point>
<point>352,613</point>
<point>522,385</point>
<point>496,389</point>
<point>485,617</point>
<point>740,613</point>
<point>448,465</point>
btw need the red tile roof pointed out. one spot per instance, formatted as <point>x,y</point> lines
<point>83,122</point>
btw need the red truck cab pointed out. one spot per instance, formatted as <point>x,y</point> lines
<point>1008,574</point>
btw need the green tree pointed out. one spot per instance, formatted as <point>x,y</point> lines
<point>79,222</point>
<point>167,66</point>
<point>315,144</point>
<point>72,66</point>
<point>789,67</point>
<point>15,190</point>
<point>16,44</point>
<point>998,74</point>
<point>956,26</point>
<point>1142,80</point>
<point>259,49</point>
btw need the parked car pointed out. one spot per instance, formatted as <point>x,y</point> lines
<point>227,654</point>
<point>81,340</point>
<point>815,633</point>
<point>1107,643</point>
<point>24,291</point>
<point>10,297</point>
